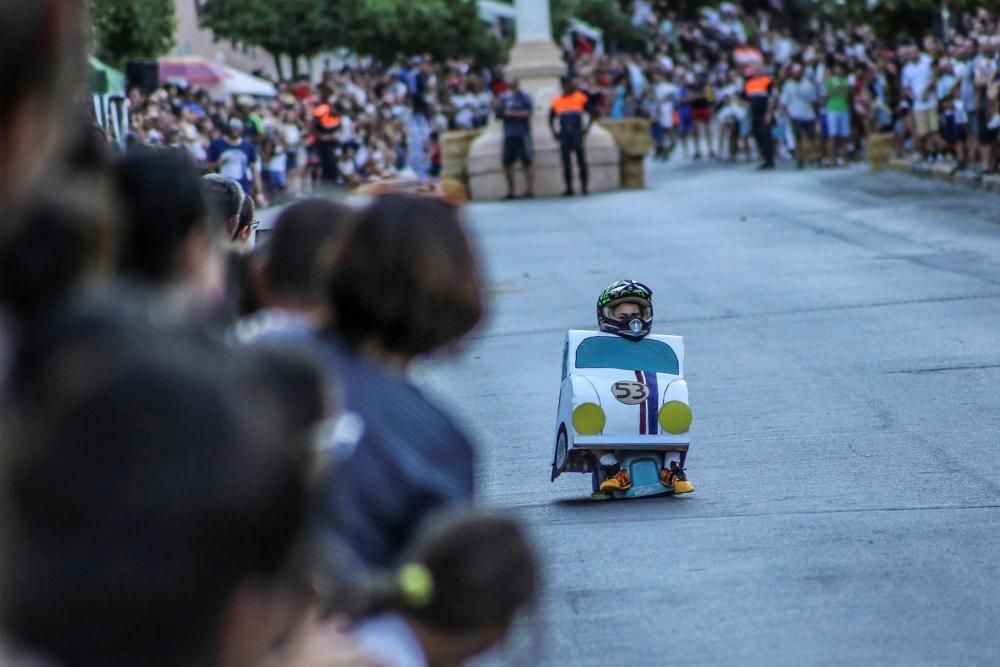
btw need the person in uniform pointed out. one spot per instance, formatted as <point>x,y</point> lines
<point>758,90</point>
<point>570,109</point>
<point>515,111</point>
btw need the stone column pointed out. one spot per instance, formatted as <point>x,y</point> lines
<point>534,21</point>
<point>537,62</point>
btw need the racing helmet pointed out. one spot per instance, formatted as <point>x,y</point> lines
<point>626,291</point>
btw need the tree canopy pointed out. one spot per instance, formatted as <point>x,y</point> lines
<point>607,15</point>
<point>294,28</point>
<point>132,29</point>
<point>386,29</point>
<point>383,29</point>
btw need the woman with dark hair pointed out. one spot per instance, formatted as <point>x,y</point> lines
<point>405,283</point>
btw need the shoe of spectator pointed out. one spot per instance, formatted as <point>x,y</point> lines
<point>567,193</point>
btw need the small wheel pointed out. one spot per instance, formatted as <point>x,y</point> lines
<point>562,450</point>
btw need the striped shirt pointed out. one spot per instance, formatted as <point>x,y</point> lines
<point>411,459</point>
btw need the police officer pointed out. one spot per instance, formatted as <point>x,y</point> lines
<point>570,109</point>
<point>515,110</point>
<point>758,90</point>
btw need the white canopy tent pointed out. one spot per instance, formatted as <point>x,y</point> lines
<point>236,82</point>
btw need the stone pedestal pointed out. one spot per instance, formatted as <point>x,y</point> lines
<point>879,149</point>
<point>538,64</point>
<point>634,143</point>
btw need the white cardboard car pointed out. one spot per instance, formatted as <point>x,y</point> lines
<point>621,395</point>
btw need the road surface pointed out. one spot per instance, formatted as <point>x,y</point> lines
<point>843,355</point>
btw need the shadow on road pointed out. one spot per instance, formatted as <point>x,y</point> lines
<point>577,502</point>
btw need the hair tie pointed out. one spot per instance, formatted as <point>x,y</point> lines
<point>416,583</point>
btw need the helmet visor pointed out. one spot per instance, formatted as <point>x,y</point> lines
<point>613,311</point>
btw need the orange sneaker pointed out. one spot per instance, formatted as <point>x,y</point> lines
<point>620,481</point>
<point>676,479</point>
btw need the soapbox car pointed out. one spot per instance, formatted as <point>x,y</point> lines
<point>624,396</point>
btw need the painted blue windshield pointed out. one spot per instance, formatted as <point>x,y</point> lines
<point>616,352</point>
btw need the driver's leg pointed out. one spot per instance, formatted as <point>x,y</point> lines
<point>672,473</point>
<point>615,477</point>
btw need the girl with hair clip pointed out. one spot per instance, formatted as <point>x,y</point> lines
<point>462,583</point>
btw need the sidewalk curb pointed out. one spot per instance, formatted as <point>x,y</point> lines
<point>944,172</point>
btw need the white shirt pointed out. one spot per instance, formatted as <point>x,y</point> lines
<point>464,104</point>
<point>346,129</point>
<point>636,78</point>
<point>292,134</point>
<point>665,93</point>
<point>916,78</point>
<point>783,49</point>
<point>732,112</point>
<point>389,641</point>
<point>279,161</point>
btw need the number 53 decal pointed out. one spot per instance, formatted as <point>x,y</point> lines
<point>630,393</point>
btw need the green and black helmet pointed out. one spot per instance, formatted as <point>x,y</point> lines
<point>630,326</point>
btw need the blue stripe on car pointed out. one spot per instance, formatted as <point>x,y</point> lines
<point>652,404</point>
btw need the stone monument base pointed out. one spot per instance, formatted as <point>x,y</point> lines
<point>537,63</point>
<point>487,180</point>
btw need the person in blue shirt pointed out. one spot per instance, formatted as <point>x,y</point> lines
<point>404,284</point>
<point>234,156</point>
<point>515,110</point>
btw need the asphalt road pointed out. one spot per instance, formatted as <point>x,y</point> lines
<point>843,355</point>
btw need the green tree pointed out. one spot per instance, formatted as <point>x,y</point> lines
<point>131,29</point>
<point>383,29</point>
<point>608,15</point>
<point>388,29</point>
<point>895,19</point>
<point>294,28</point>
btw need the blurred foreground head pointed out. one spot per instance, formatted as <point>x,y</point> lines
<point>405,281</point>
<point>299,254</point>
<point>460,587</point>
<point>43,61</point>
<point>66,242</point>
<point>225,202</point>
<point>170,241</point>
<point>157,495</point>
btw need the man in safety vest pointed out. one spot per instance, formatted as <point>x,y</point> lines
<point>570,109</point>
<point>758,90</point>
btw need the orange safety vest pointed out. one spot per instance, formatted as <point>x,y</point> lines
<point>575,102</point>
<point>757,85</point>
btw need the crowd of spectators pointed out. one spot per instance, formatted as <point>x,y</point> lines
<point>830,86</point>
<point>212,452</point>
<point>357,124</point>
<point>194,471</point>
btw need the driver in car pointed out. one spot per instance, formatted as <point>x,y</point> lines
<point>625,308</point>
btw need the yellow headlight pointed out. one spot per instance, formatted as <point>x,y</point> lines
<point>588,419</point>
<point>675,417</point>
